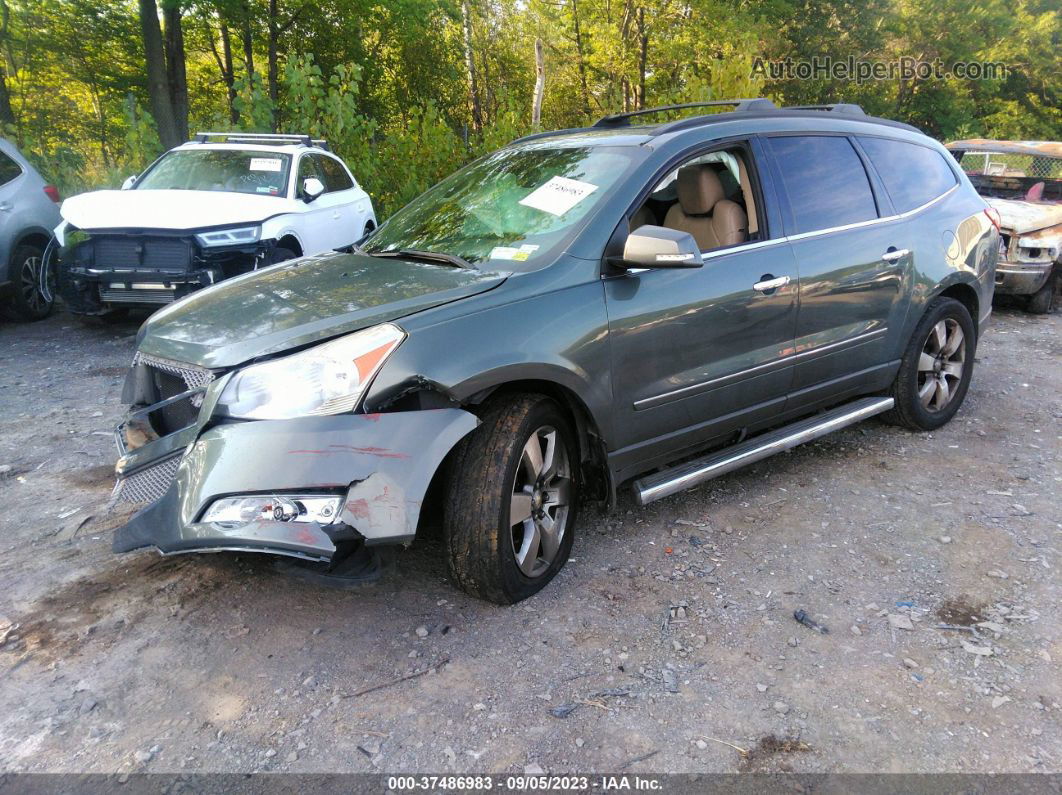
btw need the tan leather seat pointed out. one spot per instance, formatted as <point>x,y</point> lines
<point>702,211</point>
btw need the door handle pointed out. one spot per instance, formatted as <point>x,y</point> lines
<point>769,283</point>
<point>5,207</point>
<point>894,254</point>
<point>335,215</point>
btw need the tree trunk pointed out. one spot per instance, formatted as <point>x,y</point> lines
<point>643,56</point>
<point>248,42</point>
<point>582,57</point>
<point>274,35</point>
<point>540,85</point>
<point>158,88</point>
<point>7,115</point>
<point>470,65</point>
<point>176,75</point>
<point>228,73</point>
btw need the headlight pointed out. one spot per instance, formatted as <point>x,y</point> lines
<point>230,237</point>
<point>327,379</point>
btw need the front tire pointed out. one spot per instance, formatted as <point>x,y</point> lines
<point>281,254</point>
<point>1041,301</point>
<point>512,498</point>
<point>936,368</point>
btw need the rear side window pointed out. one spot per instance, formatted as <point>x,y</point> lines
<point>335,176</point>
<point>825,181</point>
<point>913,174</point>
<point>9,169</point>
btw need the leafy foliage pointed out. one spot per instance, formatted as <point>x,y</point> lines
<point>388,84</point>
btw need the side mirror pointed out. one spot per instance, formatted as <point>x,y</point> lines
<point>311,189</point>
<point>659,247</point>
<point>129,182</point>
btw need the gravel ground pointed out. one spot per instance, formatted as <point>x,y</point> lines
<point>671,631</point>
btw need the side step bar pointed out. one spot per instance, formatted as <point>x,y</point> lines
<point>671,481</point>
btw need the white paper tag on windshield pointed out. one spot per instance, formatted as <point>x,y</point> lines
<point>558,195</point>
<point>503,252</point>
<point>265,164</point>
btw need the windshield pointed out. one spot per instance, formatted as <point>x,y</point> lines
<point>229,170</point>
<point>512,206</point>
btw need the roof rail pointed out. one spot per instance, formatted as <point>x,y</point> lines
<point>837,107</point>
<point>624,119</point>
<point>261,138</point>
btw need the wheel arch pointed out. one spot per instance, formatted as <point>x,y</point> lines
<point>289,241</point>
<point>966,295</point>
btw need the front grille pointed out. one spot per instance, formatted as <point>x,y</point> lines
<point>149,484</point>
<point>135,252</point>
<point>171,379</point>
<point>136,296</point>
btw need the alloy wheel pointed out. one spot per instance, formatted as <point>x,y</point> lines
<point>941,364</point>
<point>538,507</point>
<point>31,285</point>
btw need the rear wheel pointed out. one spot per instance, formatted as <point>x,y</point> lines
<point>1042,300</point>
<point>936,368</point>
<point>29,301</point>
<point>512,497</point>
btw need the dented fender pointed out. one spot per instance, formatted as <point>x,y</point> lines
<point>382,464</point>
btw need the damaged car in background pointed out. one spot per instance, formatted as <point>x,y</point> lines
<point>213,208</point>
<point>651,304</point>
<point>1022,180</point>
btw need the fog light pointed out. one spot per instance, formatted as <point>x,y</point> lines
<point>238,511</point>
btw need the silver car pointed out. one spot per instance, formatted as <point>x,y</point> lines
<point>29,212</point>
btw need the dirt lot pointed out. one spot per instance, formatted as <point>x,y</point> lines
<point>208,663</point>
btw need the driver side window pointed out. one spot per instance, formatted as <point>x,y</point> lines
<point>307,169</point>
<point>710,196</point>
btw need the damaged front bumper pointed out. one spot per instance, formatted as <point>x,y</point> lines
<point>1022,278</point>
<point>380,465</point>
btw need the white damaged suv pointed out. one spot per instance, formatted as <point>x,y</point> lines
<point>218,206</point>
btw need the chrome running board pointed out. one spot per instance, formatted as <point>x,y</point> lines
<point>678,478</point>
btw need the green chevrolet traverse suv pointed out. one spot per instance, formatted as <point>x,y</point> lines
<point>569,315</point>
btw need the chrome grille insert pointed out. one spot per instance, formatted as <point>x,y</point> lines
<point>194,377</point>
<point>148,484</point>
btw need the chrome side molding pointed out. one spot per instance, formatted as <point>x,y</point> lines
<point>670,481</point>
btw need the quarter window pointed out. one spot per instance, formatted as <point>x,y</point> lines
<point>913,174</point>
<point>9,169</point>
<point>824,180</point>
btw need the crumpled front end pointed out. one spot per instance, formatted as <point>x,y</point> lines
<point>311,482</point>
<point>1027,260</point>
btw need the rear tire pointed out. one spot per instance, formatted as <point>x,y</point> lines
<point>936,368</point>
<point>1041,302</point>
<point>28,302</point>
<point>522,459</point>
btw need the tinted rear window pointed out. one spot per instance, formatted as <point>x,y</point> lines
<point>825,181</point>
<point>9,169</point>
<point>913,174</point>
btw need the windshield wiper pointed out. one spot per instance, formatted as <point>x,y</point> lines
<point>430,256</point>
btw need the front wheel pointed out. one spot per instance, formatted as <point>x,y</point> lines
<point>512,496</point>
<point>936,368</point>
<point>1041,301</point>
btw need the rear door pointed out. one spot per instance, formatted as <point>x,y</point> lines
<point>10,171</point>
<point>853,268</point>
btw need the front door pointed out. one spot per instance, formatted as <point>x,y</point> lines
<point>700,353</point>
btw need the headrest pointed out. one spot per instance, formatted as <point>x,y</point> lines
<point>699,189</point>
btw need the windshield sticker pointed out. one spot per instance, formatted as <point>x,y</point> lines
<point>558,195</point>
<point>504,252</point>
<point>265,164</point>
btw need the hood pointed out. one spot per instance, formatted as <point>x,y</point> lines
<point>1022,217</point>
<point>299,302</point>
<point>169,209</point>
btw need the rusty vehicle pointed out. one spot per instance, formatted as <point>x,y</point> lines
<point>635,304</point>
<point>1022,180</point>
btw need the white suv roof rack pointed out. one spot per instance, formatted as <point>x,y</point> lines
<point>260,138</point>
